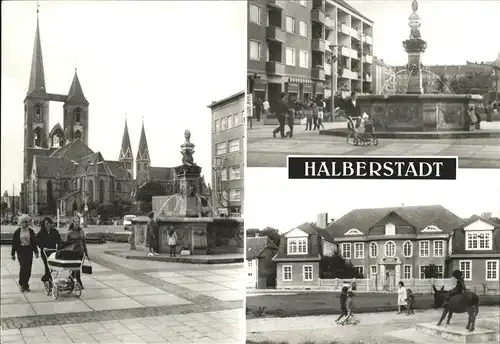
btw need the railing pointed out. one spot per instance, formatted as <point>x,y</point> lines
<point>346,73</point>
<point>368,78</point>
<point>354,33</point>
<point>346,51</point>
<point>318,15</point>
<point>277,3</point>
<point>329,22</point>
<point>328,69</point>
<point>367,39</point>
<point>275,34</point>
<point>344,28</point>
<point>318,44</point>
<point>354,75</point>
<point>318,73</point>
<point>354,54</point>
<point>368,59</point>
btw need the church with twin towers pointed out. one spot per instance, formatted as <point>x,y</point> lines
<point>59,168</point>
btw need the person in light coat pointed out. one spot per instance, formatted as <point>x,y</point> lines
<point>401,296</point>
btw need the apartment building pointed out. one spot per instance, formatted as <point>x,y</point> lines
<point>228,142</point>
<point>304,48</point>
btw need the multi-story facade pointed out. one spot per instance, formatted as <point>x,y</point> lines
<point>291,45</point>
<point>261,270</point>
<point>394,244</point>
<point>228,153</point>
<point>474,249</point>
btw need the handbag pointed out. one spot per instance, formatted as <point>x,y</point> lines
<point>87,268</point>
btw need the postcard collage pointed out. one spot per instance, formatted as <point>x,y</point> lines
<point>253,171</point>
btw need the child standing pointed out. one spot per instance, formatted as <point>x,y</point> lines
<point>343,300</point>
<point>409,300</point>
<point>350,308</point>
<point>321,115</point>
<point>401,296</point>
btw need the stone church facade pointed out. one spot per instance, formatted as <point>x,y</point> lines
<point>59,168</point>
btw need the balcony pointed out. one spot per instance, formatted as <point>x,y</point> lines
<point>346,73</point>
<point>354,54</point>
<point>343,28</point>
<point>279,4</point>
<point>355,33</point>
<point>328,69</point>
<point>275,68</point>
<point>329,22</point>
<point>368,78</point>
<point>318,16</point>
<point>318,73</point>
<point>354,75</point>
<point>368,59</point>
<point>368,39</point>
<point>276,34</point>
<point>318,45</point>
<point>345,51</point>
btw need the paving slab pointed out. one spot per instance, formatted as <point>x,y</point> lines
<point>16,310</point>
<point>160,300</point>
<point>112,303</point>
<point>140,290</point>
<point>202,287</point>
<point>58,307</point>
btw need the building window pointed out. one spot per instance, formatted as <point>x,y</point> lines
<point>303,28</point>
<point>360,270</point>
<point>118,187</point>
<point>235,195</point>
<point>390,249</point>
<point>359,250</point>
<point>290,24</point>
<point>303,3</point>
<point>439,271</point>
<point>221,148</point>
<point>290,56</point>
<point>224,124</point>
<point>465,267</point>
<point>236,119</point>
<point>373,250</point>
<point>438,248</point>
<point>234,145</point>
<point>255,48</point>
<point>373,269</point>
<point>478,240</point>
<point>307,271</point>
<point>492,270</point>
<point>230,122</point>
<point>407,249</point>
<point>346,250</point>
<point>234,172</point>
<point>287,273</point>
<point>406,271</point>
<point>390,229</point>
<point>422,271</point>
<point>255,14</point>
<point>249,263</point>
<point>217,125</point>
<point>304,59</point>
<point>223,174</point>
<point>77,115</point>
<point>424,248</point>
<point>297,246</point>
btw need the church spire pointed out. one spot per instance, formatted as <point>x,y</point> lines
<point>75,93</point>
<point>37,76</point>
<point>126,151</point>
<point>143,151</point>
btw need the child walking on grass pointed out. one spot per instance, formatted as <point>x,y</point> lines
<point>350,309</point>
<point>410,298</point>
<point>343,300</point>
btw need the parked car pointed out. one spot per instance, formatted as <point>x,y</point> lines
<point>127,222</point>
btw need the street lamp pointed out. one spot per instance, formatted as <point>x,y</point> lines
<point>218,166</point>
<point>333,49</point>
<point>85,191</point>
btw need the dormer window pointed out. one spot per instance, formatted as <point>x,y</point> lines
<point>77,115</point>
<point>390,229</point>
<point>353,231</point>
<point>297,245</point>
<point>431,228</point>
<point>479,240</point>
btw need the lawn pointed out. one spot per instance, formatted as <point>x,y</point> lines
<point>322,303</point>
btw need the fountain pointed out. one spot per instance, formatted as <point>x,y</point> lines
<point>188,212</point>
<point>415,114</point>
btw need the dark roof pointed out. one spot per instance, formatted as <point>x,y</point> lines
<point>56,127</point>
<point>310,229</point>
<point>226,100</point>
<point>38,152</point>
<point>75,94</point>
<point>143,151</point>
<point>118,170</point>
<point>418,216</point>
<point>74,150</point>
<point>353,10</point>
<point>475,218</point>
<point>99,166</point>
<point>161,173</point>
<point>37,76</point>
<point>126,150</point>
<point>257,245</point>
<point>50,167</point>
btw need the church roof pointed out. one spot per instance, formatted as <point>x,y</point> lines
<point>161,173</point>
<point>118,170</point>
<point>126,150</point>
<point>75,94</point>
<point>143,151</point>
<point>37,76</point>
<point>98,165</point>
<point>52,167</point>
<point>75,150</point>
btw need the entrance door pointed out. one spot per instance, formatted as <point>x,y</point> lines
<point>390,280</point>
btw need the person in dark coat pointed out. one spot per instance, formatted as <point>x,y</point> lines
<point>48,237</point>
<point>290,119</point>
<point>24,244</point>
<point>281,109</point>
<point>459,287</point>
<point>151,235</point>
<point>343,299</point>
<point>258,109</point>
<point>75,241</point>
<point>352,107</point>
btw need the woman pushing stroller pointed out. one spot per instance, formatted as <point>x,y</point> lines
<point>74,248</point>
<point>48,239</point>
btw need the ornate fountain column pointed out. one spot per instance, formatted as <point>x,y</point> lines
<point>415,46</point>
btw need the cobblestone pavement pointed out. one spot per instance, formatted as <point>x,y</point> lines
<point>265,151</point>
<point>126,301</point>
<point>383,328</point>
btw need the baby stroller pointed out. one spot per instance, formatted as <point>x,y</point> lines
<point>361,135</point>
<point>61,261</point>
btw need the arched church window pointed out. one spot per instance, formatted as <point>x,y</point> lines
<point>78,134</point>
<point>38,113</point>
<point>101,190</point>
<point>37,141</point>
<point>77,115</point>
<point>118,187</point>
<point>56,141</point>
<point>66,185</point>
<point>90,190</point>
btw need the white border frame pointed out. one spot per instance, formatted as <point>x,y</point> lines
<point>297,239</point>
<point>286,26</point>
<point>420,272</point>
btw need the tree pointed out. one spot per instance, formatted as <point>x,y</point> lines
<point>251,232</point>
<point>271,233</point>
<point>147,191</point>
<point>4,207</point>
<point>121,208</point>
<point>105,210</point>
<point>431,271</point>
<point>90,204</point>
<point>337,267</point>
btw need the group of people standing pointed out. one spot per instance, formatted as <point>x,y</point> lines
<point>153,240</point>
<point>261,108</point>
<point>26,245</point>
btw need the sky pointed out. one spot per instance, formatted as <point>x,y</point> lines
<point>293,202</point>
<point>165,61</point>
<point>455,31</point>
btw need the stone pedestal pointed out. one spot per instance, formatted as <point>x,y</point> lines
<point>381,279</point>
<point>415,85</point>
<point>458,334</point>
<point>189,184</point>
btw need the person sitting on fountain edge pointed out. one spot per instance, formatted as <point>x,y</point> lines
<point>460,286</point>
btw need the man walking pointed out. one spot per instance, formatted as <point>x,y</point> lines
<point>281,112</point>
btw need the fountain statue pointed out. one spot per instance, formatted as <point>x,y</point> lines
<point>187,150</point>
<point>411,110</point>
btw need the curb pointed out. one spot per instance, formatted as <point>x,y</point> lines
<point>192,260</point>
<point>421,135</point>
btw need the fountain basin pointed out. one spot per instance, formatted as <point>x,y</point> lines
<point>202,235</point>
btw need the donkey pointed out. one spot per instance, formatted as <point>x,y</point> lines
<point>461,303</point>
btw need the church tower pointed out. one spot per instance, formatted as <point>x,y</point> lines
<point>76,113</point>
<point>126,155</point>
<point>36,107</point>
<point>142,160</point>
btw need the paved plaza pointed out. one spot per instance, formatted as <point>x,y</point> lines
<point>373,328</point>
<point>265,151</point>
<point>126,301</point>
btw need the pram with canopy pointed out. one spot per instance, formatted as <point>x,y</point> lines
<point>361,132</point>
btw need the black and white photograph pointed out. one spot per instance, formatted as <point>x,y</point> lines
<point>389,261</point>
<point>123,127</point>
<point>351,77</point>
